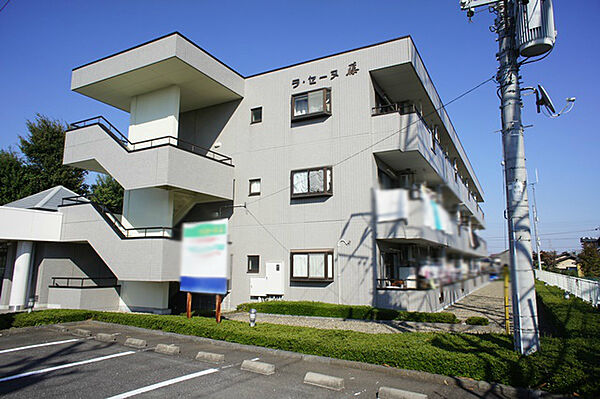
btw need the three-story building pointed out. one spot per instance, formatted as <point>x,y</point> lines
<point>342,177</point>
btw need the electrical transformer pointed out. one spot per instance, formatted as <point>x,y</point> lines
<point>535,27</point>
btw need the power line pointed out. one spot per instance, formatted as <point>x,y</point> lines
<point>5,4</point>
<point>553,233</point>
<point>267,230</point>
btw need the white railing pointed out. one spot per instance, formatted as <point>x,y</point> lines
<point>588,290</point>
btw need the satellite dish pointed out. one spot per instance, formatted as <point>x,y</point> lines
<point>544,99</point>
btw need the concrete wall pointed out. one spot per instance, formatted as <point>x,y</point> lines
<point>64,260</point>
<point>148,207</point>
<point>154,114</point>
<point>106,299</point>
<point>29,224</point>
<point>142,296</point>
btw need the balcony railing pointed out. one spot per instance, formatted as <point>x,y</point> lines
<point>421,283</point>
<point>83,282</point>
<point>402,108</point>
<point>115,222</point>
<point>129,146</point>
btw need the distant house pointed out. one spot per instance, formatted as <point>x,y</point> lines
<point>501,258</point>
<point>566,261</point>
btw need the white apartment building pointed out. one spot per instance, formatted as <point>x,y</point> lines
<point>342,177</point>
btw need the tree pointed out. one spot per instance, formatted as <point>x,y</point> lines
<point>549,259</point>
<point>12,177</point>
<point>43,150</point>
<point>108,191</point>
<point>589,259</point>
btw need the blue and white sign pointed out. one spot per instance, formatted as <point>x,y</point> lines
<point>204,257</point>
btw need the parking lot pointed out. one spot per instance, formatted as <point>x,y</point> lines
<point>55,361</point>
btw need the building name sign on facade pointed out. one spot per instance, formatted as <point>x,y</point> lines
<point>333,74</point>
<point>204,257</point>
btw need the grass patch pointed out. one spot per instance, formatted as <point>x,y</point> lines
<point>477,321</point>
<point>307,308</point>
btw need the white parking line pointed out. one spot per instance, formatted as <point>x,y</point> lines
<point>64,366</point>
<point>163,384</point>
<point>38,345</point>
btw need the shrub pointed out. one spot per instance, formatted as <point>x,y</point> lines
<point>307,308</point>
<point>477,321</point>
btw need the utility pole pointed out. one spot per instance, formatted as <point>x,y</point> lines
<point>535,223</point>
<point>525,322</point>
<point>526,333</point>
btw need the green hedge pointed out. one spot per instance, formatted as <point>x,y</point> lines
<point>307,308</point>
<point>562,366</point>
<point>477,321</point>
<point>570,318</point>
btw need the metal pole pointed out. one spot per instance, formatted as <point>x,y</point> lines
<point>535,225</point>
<point>526,336</point>
<point>506,303</point>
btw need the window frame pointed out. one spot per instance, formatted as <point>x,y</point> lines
<point>308,252</point>
<point>252,121</point>
<point>250,271</point>
<point>324,111</point>
<point>250,181</point>
<point>308,194</point>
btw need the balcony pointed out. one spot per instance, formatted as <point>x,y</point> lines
<point>401,219</point>
<point>414,147</point>
<point>164,162</point>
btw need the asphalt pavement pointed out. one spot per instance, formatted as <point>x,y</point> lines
<point>52,361</point>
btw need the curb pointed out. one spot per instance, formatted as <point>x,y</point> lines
<point>258,367</point>
<point>167,349</point>
<point>324,381</point>
<point>393,393</point>
<point>102,337</point>
<point>210,357</point>
<point>135,343</point>
<point>461,382</point>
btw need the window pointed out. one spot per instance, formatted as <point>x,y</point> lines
<point>254,187</point>
<point>253,263</point>
<point>256,115</point>
<point>312,182</point>
<point>311,265</point>
<point>311,104</point>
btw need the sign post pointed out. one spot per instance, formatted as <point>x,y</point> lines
<point>188,305</point>
<point>204,261</point>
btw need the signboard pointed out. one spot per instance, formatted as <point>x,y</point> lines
<point>204,257</point>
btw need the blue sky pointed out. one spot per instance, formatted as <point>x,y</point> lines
<point>41,41</point>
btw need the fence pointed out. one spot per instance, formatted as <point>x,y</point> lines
<point>588,290</point>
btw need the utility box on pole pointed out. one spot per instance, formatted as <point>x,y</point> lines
<point>535,27</point>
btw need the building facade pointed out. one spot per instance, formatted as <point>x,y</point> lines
<point>342,178</point>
